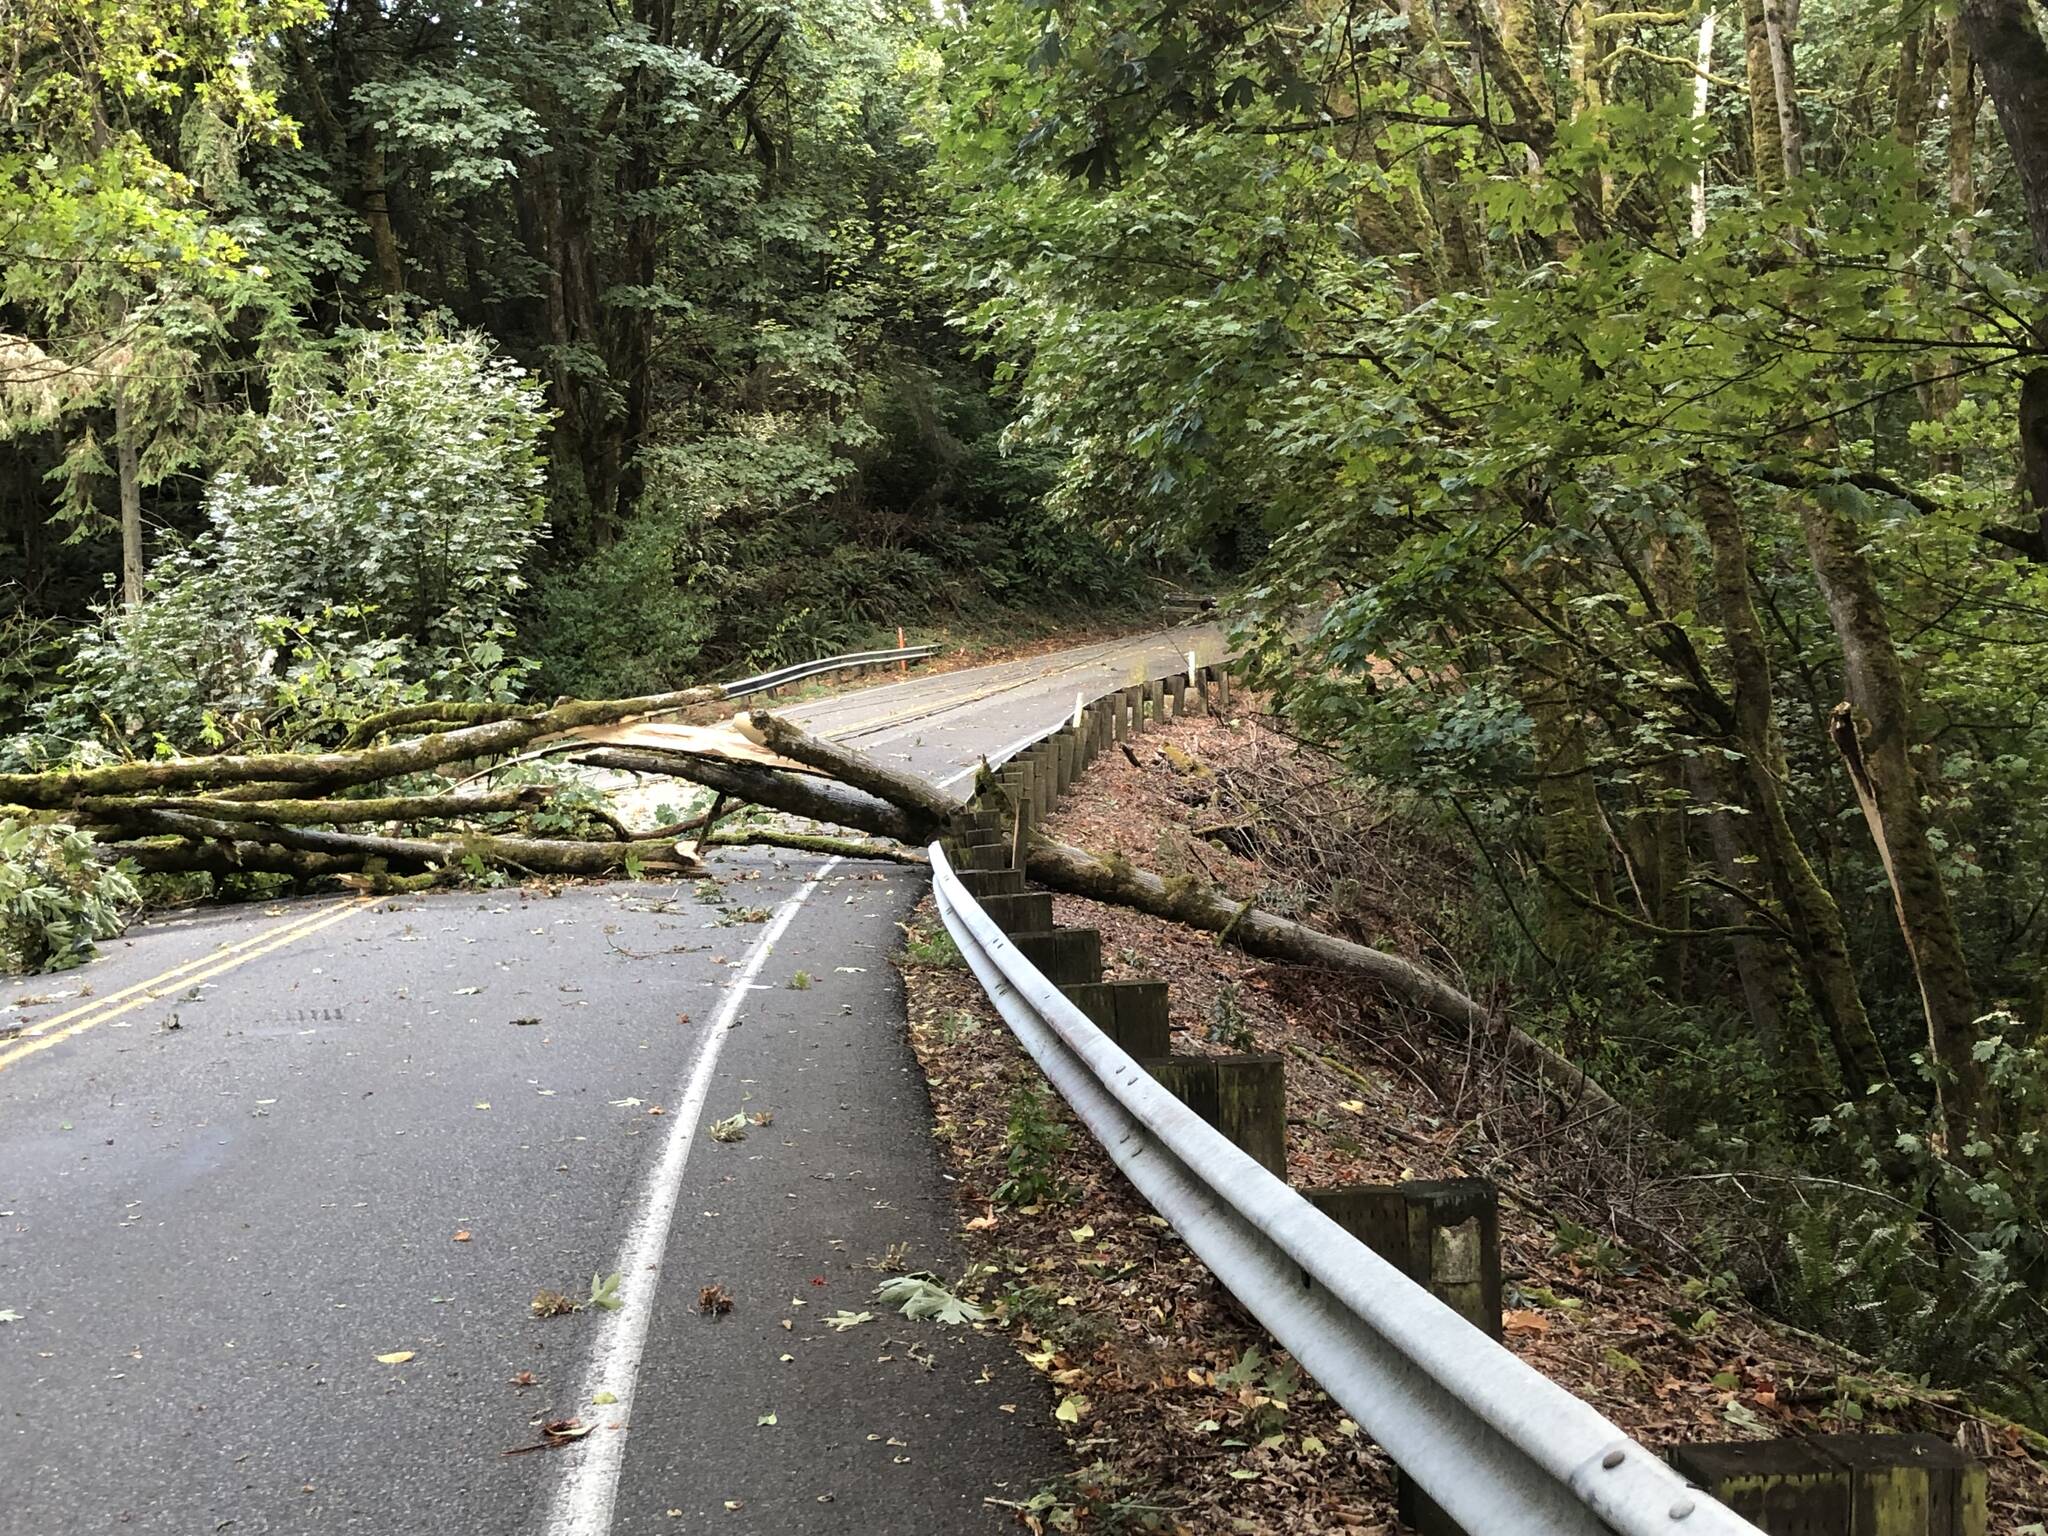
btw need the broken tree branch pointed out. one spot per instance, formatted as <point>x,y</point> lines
<point>914,797</point>
<point>331,812</point>
<point>1080,873</point>
<point>66,787</point>
<point>535,855</point>
<point>813,799</point>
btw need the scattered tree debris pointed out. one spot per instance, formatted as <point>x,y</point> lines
<point>549,1303</point>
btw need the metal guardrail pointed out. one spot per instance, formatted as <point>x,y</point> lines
<point>797,672</point>
<point>1499,1446</point>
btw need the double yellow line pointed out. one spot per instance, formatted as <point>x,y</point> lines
<point>76,1021</point>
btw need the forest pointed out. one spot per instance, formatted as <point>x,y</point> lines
<point>1622,435</point>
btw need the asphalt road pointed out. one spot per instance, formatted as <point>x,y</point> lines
<point>940,727</point>
<point>251,1150</point>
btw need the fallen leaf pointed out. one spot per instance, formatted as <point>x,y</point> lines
<point>600,1399</point>
<point>604,1292</point>
<point>714,1301</point>
<point>1513,1321</point>
<point>8,1315</point>
<point>462,1236</point>
<point>482,1104</point>
<point>920,1297</point>
<point>731,1128</point>
<point>553,1433</point>
<point>845,1320</point>
<point>1071,1407</point>
<point>766,1418</point>
<point>467,991</point>
<point>396,1357</point>
<point>525,1379</point>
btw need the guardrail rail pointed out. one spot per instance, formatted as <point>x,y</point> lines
<point>1501,1448</point>
<point>800,671</point>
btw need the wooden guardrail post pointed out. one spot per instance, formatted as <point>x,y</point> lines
<point>1066,956</point>
<point>1843,1485</point>
<point>1132,1013</point>
<point>1244,1097</point>
<point>1443,1234</point>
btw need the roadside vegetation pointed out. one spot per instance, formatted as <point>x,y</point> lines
<point>1658,1265</point>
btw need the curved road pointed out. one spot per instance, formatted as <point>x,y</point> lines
<point>251,1150</point>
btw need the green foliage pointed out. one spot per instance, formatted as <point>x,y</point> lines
<point>56,897</point>
<point>410,488</point>
<point>366,556</point>
<point>125,280</point>
<point>633,617</point>
<point>1229,1026</point>
<point>932,945</point>
<point>1036,1140</point>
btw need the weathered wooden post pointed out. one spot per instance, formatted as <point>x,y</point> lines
<point>1132,1013</point>
<point>1441,1233</point>
<point>1244,1097</point>
<point>1444,1234</point>
<point>1843,1485</point>
<point>1065,956</point>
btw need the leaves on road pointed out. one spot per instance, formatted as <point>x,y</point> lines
<point>549,1303</point>
<point>604,1292</point>
<point>553,1433</point>
<point>714,1301</point>
<point>765,1419</point>
<point>843,1320</point>
<point>462,1236</point>
<point>731,1128</point>
<point>396,1357</point>
<point>920,1296</point>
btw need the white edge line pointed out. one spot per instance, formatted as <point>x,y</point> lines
<point>998,757</point>
<point>582,1505</point>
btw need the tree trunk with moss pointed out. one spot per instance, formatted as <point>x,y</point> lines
<point>1821,942</point>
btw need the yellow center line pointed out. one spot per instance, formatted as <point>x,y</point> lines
<point>178,977</point>
<point>154,984</point>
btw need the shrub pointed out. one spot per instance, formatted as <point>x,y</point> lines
<point>367,554</point>
<point>56,898</point>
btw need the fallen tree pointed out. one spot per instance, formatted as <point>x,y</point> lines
<point>1080,873</point>
<point>360,809</point>
<point>65,788</point>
